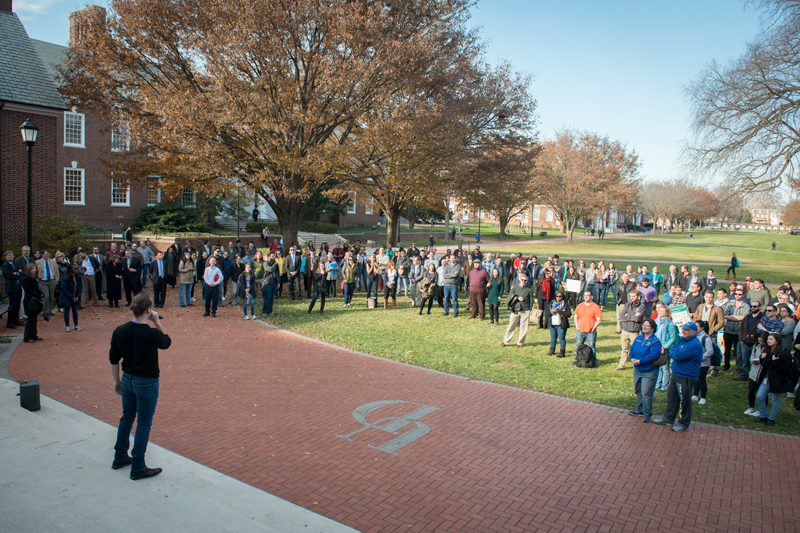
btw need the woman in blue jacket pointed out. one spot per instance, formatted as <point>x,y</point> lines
<point>644,350</point>
<point>667,333</point>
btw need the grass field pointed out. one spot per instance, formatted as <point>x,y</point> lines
<point>471,348</point>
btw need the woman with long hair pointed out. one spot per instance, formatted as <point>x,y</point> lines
<point>71,292</point>
<point>494,296</point>
<point>185,279</point>
<point>284,274</point>
<point>172,260</point>
<point>246,288</point>
<point>373,272</point>
<point>427,287</point>
<point>778,363</point>
<point>556,318</point>
<point>30,287</point>
<point>390,285</point>
<point>195,262</point>
<point>757,373</point>
<point>332,270</point>
<point>320,287</point>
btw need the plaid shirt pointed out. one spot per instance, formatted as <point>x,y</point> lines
<point>773,326</point>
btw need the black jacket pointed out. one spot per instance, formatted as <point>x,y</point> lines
<point>242,281</point>
<point>136,265</point>
<point>564,312</point>
<point>748,335</point>
<point>321,283</point>
<point>12,278</point>
<point>778,373</point>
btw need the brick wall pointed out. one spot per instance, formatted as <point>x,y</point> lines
<point>98,211</point>
<point>13,174</point>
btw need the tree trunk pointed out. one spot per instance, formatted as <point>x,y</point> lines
<point>392,224</point>
<point>411,217</point>
<point>503,223</point>
<point>289,216</point>
<point>570,227</point>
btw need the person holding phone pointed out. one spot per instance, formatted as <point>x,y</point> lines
<point>136,344</point>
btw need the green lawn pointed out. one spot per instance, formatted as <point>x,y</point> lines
<point>471,348</point>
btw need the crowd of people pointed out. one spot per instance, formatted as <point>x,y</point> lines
<point>677,329</point>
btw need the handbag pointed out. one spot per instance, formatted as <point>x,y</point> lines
<point>35,306</point>
<point>661,361</point>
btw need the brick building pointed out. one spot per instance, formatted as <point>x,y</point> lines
<point>26,92</point>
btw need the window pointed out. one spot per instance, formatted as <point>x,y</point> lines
<point>153,190</point>
<point>73,186</point>
<point>519,216</point>
<point>535,214</point>
<point>466,214</point>
<point>187,197</point>
<point>548,217</point>
<point>120,138</point>
<point>120,193</point>
<point>351,209</point>
<point>370,207</point>
<point>73,129</point>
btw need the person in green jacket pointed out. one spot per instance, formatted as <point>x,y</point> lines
<point>667,334</point>
<point>495,287</point>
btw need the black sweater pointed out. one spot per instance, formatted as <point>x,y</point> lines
<point>137,346</point>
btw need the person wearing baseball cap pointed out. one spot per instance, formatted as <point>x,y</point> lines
<point>686,355</point>
<point>478,279</point>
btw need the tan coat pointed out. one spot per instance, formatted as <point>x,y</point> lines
<point>186,272</point>
<point>53,268</point>
<point>716,320</point>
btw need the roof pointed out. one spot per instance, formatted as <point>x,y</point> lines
<point>24,79</point>
<point>52,55</point>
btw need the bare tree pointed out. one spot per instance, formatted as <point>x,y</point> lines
<point>745,112</point>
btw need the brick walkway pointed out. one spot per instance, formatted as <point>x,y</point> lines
<point>265,407</point>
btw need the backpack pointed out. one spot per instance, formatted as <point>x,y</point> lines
<point>583,356</point>
<point>372,302</point>
<point>716,357</point>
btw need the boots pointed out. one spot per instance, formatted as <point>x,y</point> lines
<point>394,303</point>
<point>552,350</point>
<point>561,353</point>
<point>385,302</point>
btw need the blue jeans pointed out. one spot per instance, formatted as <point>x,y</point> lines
<point>560,334</point>
<point>450,293</point>
<point>613,290</point>
<point>145,269</point>
<point>183,295</point>
<point>245,300</point>
<point>349,289</point>
<point>74,306</point>
<point>644,384</point>
<point>372,284</point>
<point>404,283</point>
<point>269,297</point>
<point>361,279</point>
<point>139,398</point>
<point>587,338</point>
<point>745,350</point>
<point>662,382</point>
<point>775,398</point>
<point>205,289</point>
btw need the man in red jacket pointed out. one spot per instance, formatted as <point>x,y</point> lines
<point>478,279</point>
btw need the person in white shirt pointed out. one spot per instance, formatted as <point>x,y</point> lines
<point>213,278</point>
<point>147,258</point>
<point>89,281</point>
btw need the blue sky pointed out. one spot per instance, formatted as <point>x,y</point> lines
<point>614,67</point>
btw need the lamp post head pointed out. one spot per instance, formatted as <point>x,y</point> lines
<point>29,132</point>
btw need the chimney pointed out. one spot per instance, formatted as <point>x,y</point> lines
<point>82,22</point>
<point>5,5</point>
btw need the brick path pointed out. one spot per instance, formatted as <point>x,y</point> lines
<point>264,406</point>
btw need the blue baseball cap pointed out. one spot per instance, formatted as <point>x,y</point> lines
<point>690,325</point>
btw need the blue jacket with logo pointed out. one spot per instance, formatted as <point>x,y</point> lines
<point>646,351</point>
<point>686,358</point>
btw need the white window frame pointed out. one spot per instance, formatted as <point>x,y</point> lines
<point>370,208</point>
<point>536,214</point>
<point>351,209</point>
<point>121,130</point>
<point>83,129</point>
<point>183,196</point>
<point>127,202</point>
<point>548,216</point>
<point>153,179</point>
<point>83,186</point>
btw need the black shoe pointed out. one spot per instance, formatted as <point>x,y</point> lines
<point>769,423</point>
<point>213,315</point>
<point>116,304</point>
<point>739,378</point>
<point>11,326</point>
<point>111,304</point>
<point>726,368</point>
<point>128,304</point>
<point>101,299</point>
<point>763,420</point>
<point>116,465</point>
<point>147,472</point>
<point>206,314</point>
<point>635,413</point>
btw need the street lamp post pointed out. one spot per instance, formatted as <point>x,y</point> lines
<point>29,134</point>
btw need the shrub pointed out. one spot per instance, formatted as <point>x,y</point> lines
<point>168,218</point>
<point>319,227</point>
<point>59,232</point>
<point>258,225</point>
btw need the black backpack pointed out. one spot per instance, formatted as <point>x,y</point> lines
<point>716,356</point>
<point>583,356</point>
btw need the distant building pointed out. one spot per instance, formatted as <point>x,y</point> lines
<point>767,217</point>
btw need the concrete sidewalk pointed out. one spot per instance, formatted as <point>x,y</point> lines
<point>55,475</point>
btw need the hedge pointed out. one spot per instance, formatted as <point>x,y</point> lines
<point>257,226</point>
<point>310,226</point>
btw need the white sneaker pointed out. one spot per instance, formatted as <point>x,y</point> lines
<point>247,317</point>
<point>756,413</point>
<point>77,328</point>
<point>750,411</point>
<point>702,401</point>
<point>790,395</point>
<point>252,317</point>
<point>694,398</point>
<point>194,299</point>
<point>223,298</point>
<point>67,329</point>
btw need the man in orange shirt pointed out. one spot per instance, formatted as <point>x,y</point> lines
<point>587,319</point>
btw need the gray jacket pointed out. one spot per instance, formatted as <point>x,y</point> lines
<point>452,274</point>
